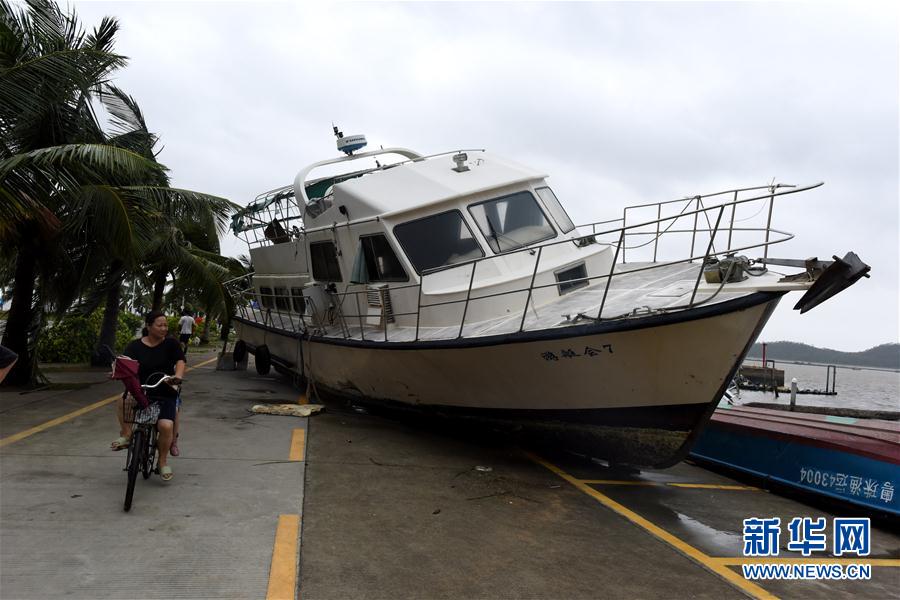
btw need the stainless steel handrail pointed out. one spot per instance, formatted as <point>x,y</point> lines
<point>623,233</point>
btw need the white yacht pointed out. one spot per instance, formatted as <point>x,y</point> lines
<point>457,284</point>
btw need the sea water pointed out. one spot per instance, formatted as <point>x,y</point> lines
<point>856,387</point>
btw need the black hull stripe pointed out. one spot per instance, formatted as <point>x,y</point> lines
<point>560,333</point>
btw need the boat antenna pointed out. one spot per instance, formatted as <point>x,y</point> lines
<point>338,134</point>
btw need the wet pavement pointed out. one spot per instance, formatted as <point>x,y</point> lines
<point>348,504</point>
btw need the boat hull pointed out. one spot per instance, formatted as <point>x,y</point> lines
<point>632,392</point>
<point>854,461</point>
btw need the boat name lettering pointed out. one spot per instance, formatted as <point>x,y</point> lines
<point>570,353</point>
<point>850,485</point>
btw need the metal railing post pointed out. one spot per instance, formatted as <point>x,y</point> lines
<point>656,241</point>
<point>537,261</point>
<point>362,328</point>
<point>706,256</point>
<point>694,233</point>
<point>731,226</point>
<point>419,307</point>
<point>769,221</point>
<point>609,277</point>
<point>462,322</point>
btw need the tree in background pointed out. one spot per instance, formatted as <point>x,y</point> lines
<point>80,209</point>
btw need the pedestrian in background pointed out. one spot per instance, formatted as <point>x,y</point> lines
<point>185,329</point>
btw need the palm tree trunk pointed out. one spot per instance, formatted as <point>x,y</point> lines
<point>20,317</point>
<point>204,337</point>
<point>105,351</point>
<point>159,286</point>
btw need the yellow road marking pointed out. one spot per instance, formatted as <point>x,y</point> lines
<point>704,486</point>
<point>68,417</point>
<point>745,560</point>
<point>298,441</point>
<point>707,561</point>
<point>618,482</point>
<point>283,572</point>
<point>713,486</point>
<point>57,421</point>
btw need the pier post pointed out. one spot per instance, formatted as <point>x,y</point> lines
<point>793,393</point>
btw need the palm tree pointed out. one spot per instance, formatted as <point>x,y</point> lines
<point>57,177</point>
<point>174,211</point>
<point>80,210</point>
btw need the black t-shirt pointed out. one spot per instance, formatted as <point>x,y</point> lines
<point>157,359</point>
<point>7,357</point>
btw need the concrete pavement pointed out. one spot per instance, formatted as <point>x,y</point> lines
<point>354,505</point>
<point>207,534</point>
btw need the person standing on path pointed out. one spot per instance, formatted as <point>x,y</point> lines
<point>185,328</point>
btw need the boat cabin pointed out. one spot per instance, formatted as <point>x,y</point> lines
<point>427,242</point>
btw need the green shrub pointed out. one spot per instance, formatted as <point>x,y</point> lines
<point>73,338</point>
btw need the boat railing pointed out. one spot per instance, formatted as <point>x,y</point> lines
<point>713,234</point>
<point>272,218</point>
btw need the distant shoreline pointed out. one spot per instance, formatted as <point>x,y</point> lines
<point>885,357</point>
<point>817,364</point>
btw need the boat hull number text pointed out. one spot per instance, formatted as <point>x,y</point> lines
<point>589,351</point>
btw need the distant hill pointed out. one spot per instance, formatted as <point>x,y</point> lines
<point>885,356</point>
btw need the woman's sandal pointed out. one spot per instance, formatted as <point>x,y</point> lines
<point>166,473</point>
<point>120,443</point>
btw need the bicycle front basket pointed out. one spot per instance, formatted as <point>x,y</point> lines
<point>147,416</point>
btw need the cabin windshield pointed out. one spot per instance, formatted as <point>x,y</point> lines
<point>437,241</point>
<point>511,222</point>
<point>556,209</point>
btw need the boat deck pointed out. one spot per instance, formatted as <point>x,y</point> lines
<point>635,291</point>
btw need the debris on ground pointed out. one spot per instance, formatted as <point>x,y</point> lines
<point>287,410</point>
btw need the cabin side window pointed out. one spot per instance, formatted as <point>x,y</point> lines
<point>281,299</point>
<point>438,241</point>
<point>556,209</point>
<point>325,265</point>
<point>265,297</point>
<point>298,300</point>
<point>511,222</point>
<point>377,261</point>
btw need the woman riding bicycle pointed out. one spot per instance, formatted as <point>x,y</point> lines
<point>157,354</point>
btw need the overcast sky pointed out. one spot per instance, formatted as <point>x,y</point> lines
<point>621,103</point>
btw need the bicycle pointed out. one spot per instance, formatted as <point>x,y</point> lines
<point>142,448</point>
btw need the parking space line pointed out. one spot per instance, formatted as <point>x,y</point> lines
<point>68,417</point>
<point>706,561</point>
<point>298,442</point>
<point>714,486</point>
<point>618,482</point>
<point>283,571</point>
<point>703,486</point>
<point>57,421</point>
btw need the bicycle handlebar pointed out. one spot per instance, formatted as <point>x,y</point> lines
<point>167,379</point>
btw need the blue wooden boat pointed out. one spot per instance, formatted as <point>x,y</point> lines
<point>847,459</point>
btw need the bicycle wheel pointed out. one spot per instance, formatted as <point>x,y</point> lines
<point>149,455</point>
<point>136,451</point>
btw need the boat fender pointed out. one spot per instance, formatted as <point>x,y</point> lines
<point>263,360</point>
<point>240,351</point>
